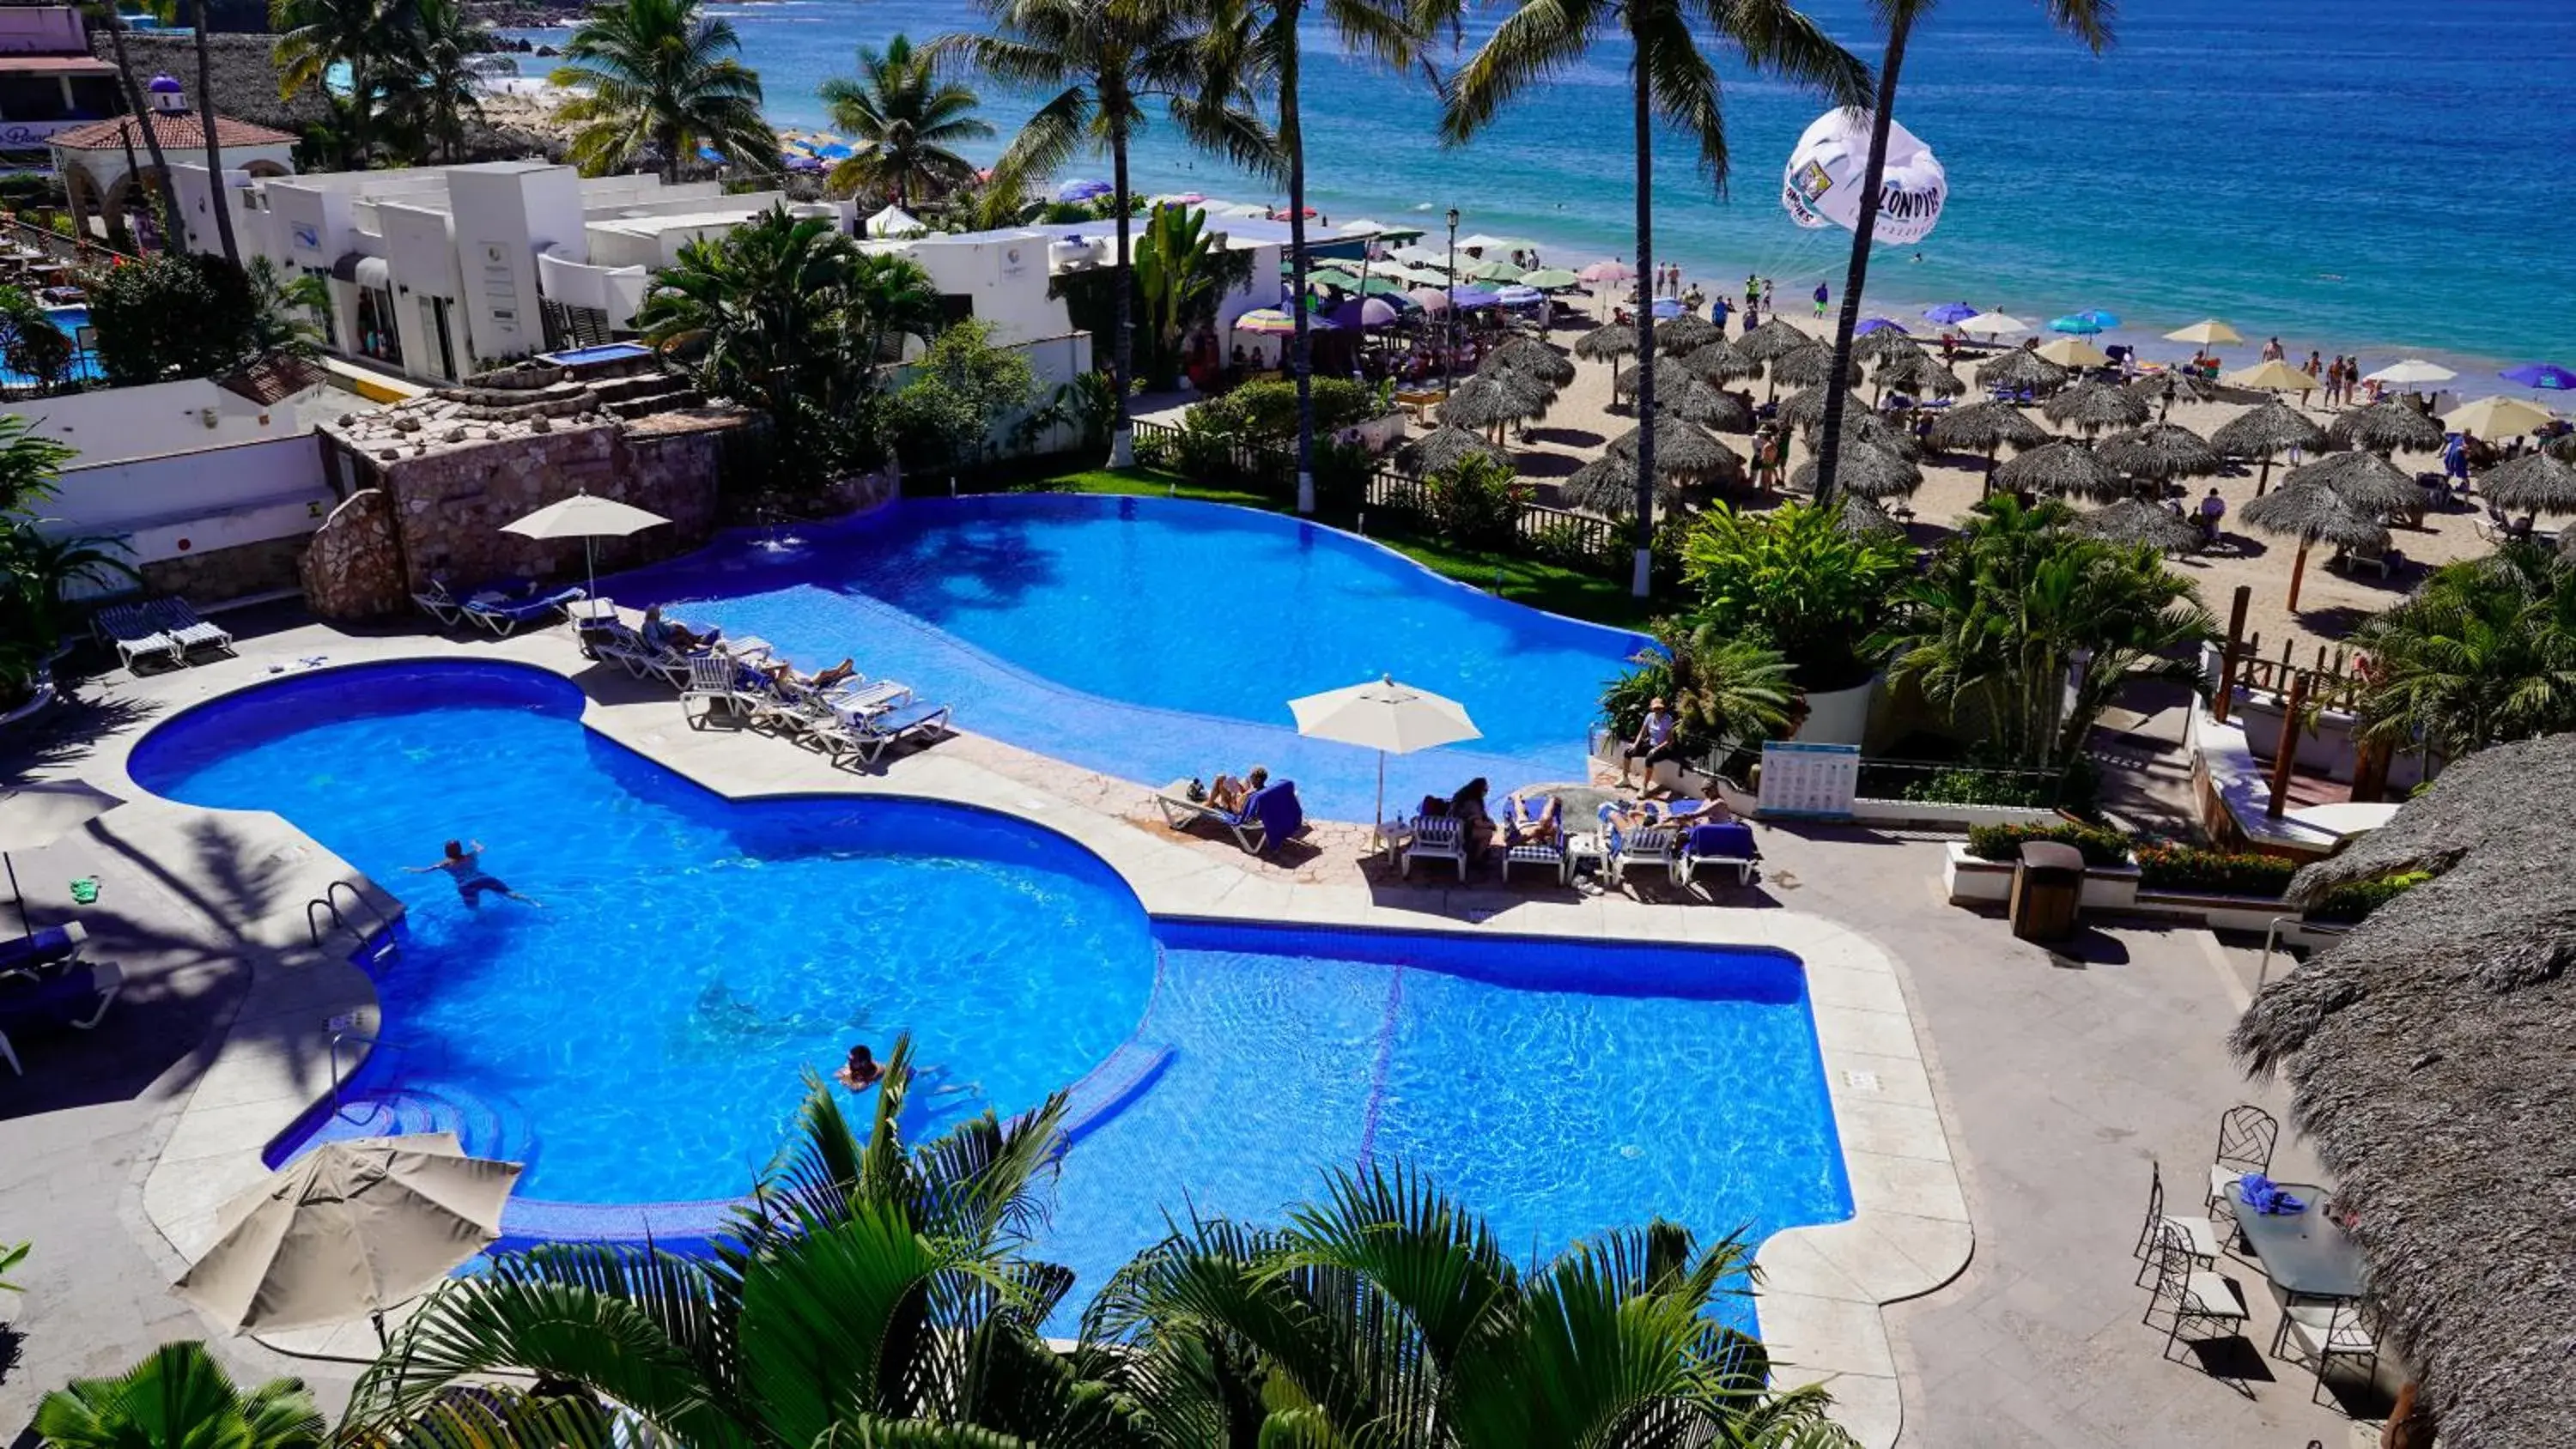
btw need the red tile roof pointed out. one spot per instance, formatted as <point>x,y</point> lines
<point>54,65</point>
<point>182,131</point>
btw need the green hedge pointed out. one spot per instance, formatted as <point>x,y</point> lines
<point>2350,903</point>
<point>2004,842</point>
<point>2163,866</point>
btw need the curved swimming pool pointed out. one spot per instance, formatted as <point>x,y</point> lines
<point>642,1037</point>
<point>1155,639</point>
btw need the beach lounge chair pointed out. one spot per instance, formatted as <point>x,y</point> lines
<point>503,615</point>
<point>77,995</point>
<point>47,948</point>
<point>123,626</point>
<point>439,603</point>
<point>1718,843</point>
<point>869,736</point>
<point>716,680</point>
<point>1436,837</point>
<point>1646,845</point>
<point>1180,812</point>
<point>180,620</point>
<point>612,641</point>
<point>1518,812</point>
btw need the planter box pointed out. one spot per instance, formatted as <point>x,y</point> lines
<point>1938,814</point>
<point>1971,881</point>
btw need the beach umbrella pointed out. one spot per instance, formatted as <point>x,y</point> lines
<point>1920,374</point>
<point>35,815</point>
<point>2536,482</point>
<point>1266,322</point>
<point>1869,325</point>
<point>1608,271</point>
<point>1606,344</point>
<point>1423,256</point>
<point>2074,352</point>
<point>1608,486</point>
<point>1363,313</point>
<point>1886,345</point>
<point>2022,368</point>
<point>1949,313</point>
<point>1692,400</point>
<point>351,1228</point>
<point>1859,517</point>
<point>1685,332</point>
<point>2136,521</point>
<point>1516,295</point>
<point>1528,354</point>
<point>2076,324</point>
<point>2498,417</point>
<point>1804,408</point>
<point>1079,189</point>
<point>1444,446</point>
<point>1984,427</point>
<point>1807,366</point>
<point>2093,406</point>
<point>1339,281</point>
<point>1549,278</point>
<point>1491,271</point>
<point>2367,481</point>
<point>2159,451</point>
<point>2547,376</point>
<point>1362,227</point>
<point>1863,471</point>
<point>1719,360</point>
<point>2273,376</point>
<point>2061,468</point>
<point>1481,242</point>
<point>1771,339</point>
<point>1390,718</point>
<point>894,221</point>
<point>1470,298</point>
<point>2385,427</point>
<point>2265,432</point>
<point>585,517</point>
<point>1429,299</point>
<point>2165,388</point>
<point>1493,400</point>
<point>1991,324</point>
<point>2309,509</point>
<point>2211,333</point>
<point>2412,372</point>
<point>1682,449</point>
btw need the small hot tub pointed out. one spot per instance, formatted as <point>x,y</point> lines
<point>605,354</point>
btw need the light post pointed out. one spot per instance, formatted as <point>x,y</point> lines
<point>1449,314</point>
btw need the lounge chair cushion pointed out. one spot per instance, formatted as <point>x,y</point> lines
<point>47,947</point>
<point>1723,840</point>
<point>65,996</point>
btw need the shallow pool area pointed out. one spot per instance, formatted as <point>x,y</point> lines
<point>1157,639</point>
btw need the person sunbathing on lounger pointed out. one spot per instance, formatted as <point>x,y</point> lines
<point>1523,826</point>
<point>472,881</point>
<point>664,633</point>
<point>1231,795</point>
<point>785,673</point>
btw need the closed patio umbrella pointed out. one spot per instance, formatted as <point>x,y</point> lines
<point>586,518</point>
<point>2533,483</point>
<point>2094,406</point>
<point>1443,446</point>
<point>2385,427</point>
<point>2136,521</point>
<point>2159,451</point>
<point>2062,468</point>
<point>2022,368</point>
<point>1390,718</point>
<point>35,815</point>
<point>2264,433</point>
<point>1864,471</point>
<point>2309,509</point>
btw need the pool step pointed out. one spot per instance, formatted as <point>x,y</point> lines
<point>493,1127</point>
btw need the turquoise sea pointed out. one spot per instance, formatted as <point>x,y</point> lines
<point>2374,175</point>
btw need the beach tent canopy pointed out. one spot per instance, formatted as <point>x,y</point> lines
<point>895,221</point>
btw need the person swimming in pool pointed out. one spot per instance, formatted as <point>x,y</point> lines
<point>472,881</point>
<point>861,1071</point>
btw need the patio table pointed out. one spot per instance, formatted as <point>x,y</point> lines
<point>2305,1254</point>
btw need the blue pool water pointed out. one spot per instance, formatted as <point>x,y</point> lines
<point>1155,639</point>
<point>72,320</point>
<point>602,352</point>
<point>641,1038</point>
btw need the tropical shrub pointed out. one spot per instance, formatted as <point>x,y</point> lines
<point>36,570</point>
<point>1264,414</point>
<point>179,1398</point>
<point>961,389</point>
<point>1966,785</point>
<point>2483,652</point>
<point>1476,501</point>
<point>1724,693</point>
<point>2166,866</point>
<point>1795,578</point>
<point>2349,903</point>
<point>30,343</point>
<point>1182,271</point>
<point>1572,544</point>
<point>2101,847</point>
<point>171,315</point>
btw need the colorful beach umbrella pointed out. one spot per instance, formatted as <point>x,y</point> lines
<point>834,151</point>
<point>2076,324</point>
<point>1949,312</point>
<point>2547,376</point>
<point>1271,322</point>
<point>1363,313</point>
<point>1516,296</point>
<point>1081,188</point>
<point>1878,324</point>
<point>1549,277</point>
<point>1472,297</point>
<point>1430,299</point>
<point>1492,271</point>
<point>1329,277</point>
<point>1608,271</point>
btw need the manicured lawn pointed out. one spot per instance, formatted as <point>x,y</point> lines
<point>1540,585</point>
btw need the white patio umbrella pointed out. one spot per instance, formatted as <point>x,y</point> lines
<point>2497,417</point>
<point>1991,324</point>
<point>36,815</point>
<point>2412,372</point>
<point>895,221</point>
<point>351,1228</point>
<point>585,517</point>
<point>1390,718</point>
<point>2209,333</point>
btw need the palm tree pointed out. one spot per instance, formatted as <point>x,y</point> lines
<point>2483,652</point>
<point>1388,1314</point>
<point>286,310</point>
<point>661,76</point>
<point>435,97</point>
<point>314,35</point>
<point>179,1398</point>
<point>1103,59</point>
<point>2086,20</point>
<point>1670,79</point>
<point>214,145</point>
<point>105,11</point>
<point>902,121</point>
<point>1181,271</point>
<point>868,1295</point>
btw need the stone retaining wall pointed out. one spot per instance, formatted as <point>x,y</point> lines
<point>214,575</point>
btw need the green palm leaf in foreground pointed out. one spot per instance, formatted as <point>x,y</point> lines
<point>2482,653</point>
<point>179,1398</point>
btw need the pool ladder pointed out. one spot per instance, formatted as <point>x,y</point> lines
<point>328,903</point>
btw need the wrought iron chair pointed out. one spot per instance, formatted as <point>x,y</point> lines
<point>2246,1135</point>
<point>2325,1332</point>
<point>2193,1296</point>
<point>2199,1232</point>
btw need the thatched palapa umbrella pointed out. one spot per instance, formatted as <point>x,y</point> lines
<point>1607,344</point>
<point>2066,469</point>
<point>1807,366</point>
<point>1863,518</point>
<point>2263,433</point>
<point>2135,520</point>
<point>1878,432</point>
<point>1803,409</point>
<point>1920,375</point>
<point>1529,355</point>
<point>1771,339</point>
<point>2532,483</point>
<point>2429,1061</point>
<point>2022,368</point>
<point>2367,481</point>
<point>1496,401</point>
<point>1720,361</point>
<point>2386,427</point>
<point>1986,426</point>
<point>2311,511</point>
<point>1863,471</point>
<point>1695,401</point>
<point>1608,486</point>
<point>2158,451</point>
<point>1441,447</point>
<point>2094,406</point>
<point>2562,447</point>
<point>1885,345</point>
<point>1682,450</point>
<point>1685,332</point>
<point>2171,386</point>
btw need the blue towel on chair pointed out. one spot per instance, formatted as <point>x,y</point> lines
<point>2266,1197</point>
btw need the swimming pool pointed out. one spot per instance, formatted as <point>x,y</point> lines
<point>1155,639</point>
<point>641,1038</point>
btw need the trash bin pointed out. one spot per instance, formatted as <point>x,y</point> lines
<point>2047,891</point>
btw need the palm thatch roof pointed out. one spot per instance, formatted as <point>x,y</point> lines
<point>2563,446</point>
<point>1878,432</point>
<point>1863,518</point>
<point>1695,401</point>
<point>2311,511</point>
<point>1685,332</point>
<point>1771,339</point>
<point>2063,468</point>
<point>2533,483</point>
<point>1807,366</point>
<point>1608,486</point>
<point>1805,408</point>
<point>2385,427</point>
<point>1862,470</point>
<point>1493,400</point>
<point>1920,374</point>
<point>1682,450</point>
<point>2159,451</point>
<point>2431,1058</point>
<point>1885,345</point>
<point>1986,425</point>
<point>2367,481</point>
<point>1441,447</point>
<point>2135,520</point>
<point>1601,344</point>
<point>2260,432</point>
<point>2023,368</point>
<point>2092,405</point>
<point>2180,386</point>
<point>1529,355</point>
<point>1721,361</point>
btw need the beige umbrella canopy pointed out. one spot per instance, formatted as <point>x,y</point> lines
<point>2136,521</point>
<point>1771,339</point>
<point>1529,355</point>
<point>1384,716</point>
<point>2367,481</point>
<point>2020,368</point>
<point>2272,376</point>
<point>35,815</point>
<point>1682,450</point>
<point>2159,451</point>
<point>1608,486</point>
<point>1863,471</point>
<point>2497,417</point>
<point>2532,483</point>
<point>350,1229</point>
<point>2265,432</point>
<point>2210,333</point>
<point>2062,468</point>
<point>585,517</point>
<point>2385,427</point>
<point>1442,447</point>
<point>2093,406</point>
<point>2074,352</point>
<point>1721,361</point>
<point>2307,507</point>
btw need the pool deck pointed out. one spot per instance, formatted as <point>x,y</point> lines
<point>216,901</point>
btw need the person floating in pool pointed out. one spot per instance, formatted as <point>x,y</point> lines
<point>472,881</point>
<point>861,1071</point>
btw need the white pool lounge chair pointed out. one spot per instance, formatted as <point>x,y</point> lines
<point>180,620</point>
<point>1646,846</point>
<point>716,681</point>
<point>869,736</point>
<point>134,639</point>
<point>1437,837</point>
<point>1531,856</point>
<point>1716,845</point>
<point>438,603</point>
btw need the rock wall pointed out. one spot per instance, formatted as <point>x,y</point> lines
<point>352,568</point>
<point>244,69</point>
<point>218,574</point>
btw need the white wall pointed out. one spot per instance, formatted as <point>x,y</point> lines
<point>121,424</point>
<point>1004,272</point>
<point>196,502</point>
<point>505,215</point>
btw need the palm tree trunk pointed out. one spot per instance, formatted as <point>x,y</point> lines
<point>361,115</point>
<point>671,156</point>
<point>222,199</point>
<point>1292,141</point>
<point>1900,26</point>
<point>1644,578</point>
<point>170,232</point>
<point>1122,351</point>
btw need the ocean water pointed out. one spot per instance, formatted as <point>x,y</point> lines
<point>2374,176</point>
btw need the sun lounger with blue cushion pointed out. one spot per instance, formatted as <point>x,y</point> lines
<point>1719,843</point>
<point>75,994</point>
<point>1270,816</point>
<point>49,947</point>
<point>502,614</point>
<point>869,736</point>
<point>1521,847</point>
<point>180,620</point>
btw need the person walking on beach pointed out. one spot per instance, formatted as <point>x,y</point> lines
<point>2272,350</point>
<point>1766,298</point>
<point>1822,293</point>
<point>1752,301</point>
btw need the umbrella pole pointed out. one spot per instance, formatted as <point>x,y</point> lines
<point>1378,818</point>
<point>2298,567</point>
<point>27,928</point>
<point>590,565</point>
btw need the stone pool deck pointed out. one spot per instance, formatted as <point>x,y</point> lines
<point>222,895</point>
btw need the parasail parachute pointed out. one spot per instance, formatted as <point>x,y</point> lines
<point>1823,182</point>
